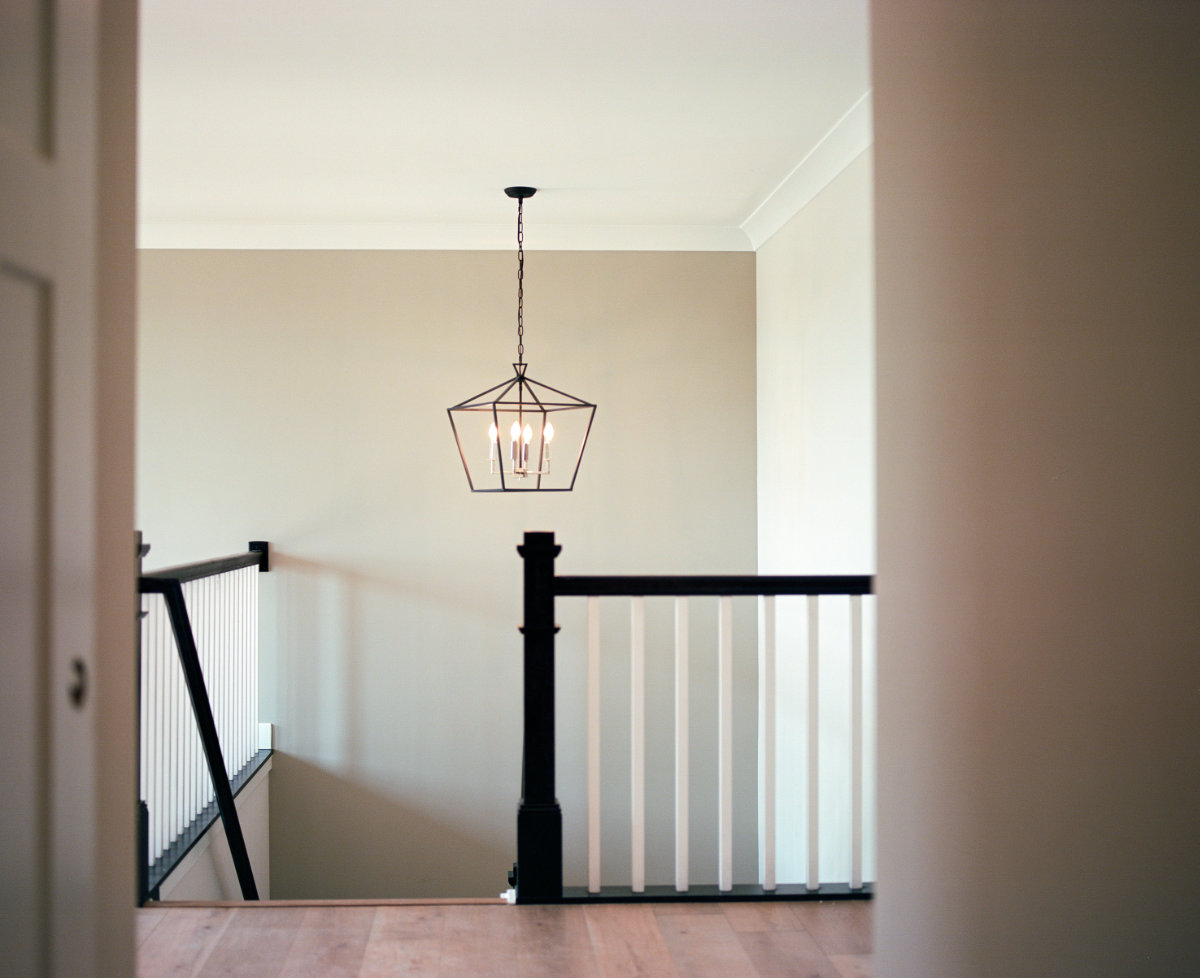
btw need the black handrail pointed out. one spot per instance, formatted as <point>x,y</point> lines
<point>258,554</point>
<point>537,875</point>
<point>709,585</point>
<point>169,583</point>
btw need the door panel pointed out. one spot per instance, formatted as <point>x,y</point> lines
<point>23,761</point>
<point>24,76</point>
<point>26,269</point>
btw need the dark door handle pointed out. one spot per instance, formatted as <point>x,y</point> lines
<point>78,689</point>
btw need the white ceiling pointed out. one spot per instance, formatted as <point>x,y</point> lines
<point>395,123</point>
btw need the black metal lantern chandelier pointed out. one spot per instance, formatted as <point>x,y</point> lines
<point>505,434</point>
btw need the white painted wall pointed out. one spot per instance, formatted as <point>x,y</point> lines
<point>816,384</point>
<point>816,480</point>
<point>300,397</point>
<point>207,871</point>
<point>1038,228</point>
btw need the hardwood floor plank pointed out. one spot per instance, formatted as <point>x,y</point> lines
<point>701,907</point>
<point>704,946</point>
<point>553,942</point>
<point>331,941</point>
<point>180,942</point>
<point>786,954</point>
<point>479,941</point>
<point>748,916</point>
<point>256,942</point>
<point>404,941</point>
<point>627,941</point>
<point>854,965</point>
<point>145,920</point>
<point>839,926</point>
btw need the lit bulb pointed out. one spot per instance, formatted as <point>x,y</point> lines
<point>515,431</point>
<point>493,434</point>
<point>548,431</point>
<point>528,434</point>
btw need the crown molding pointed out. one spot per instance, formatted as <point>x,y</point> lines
<point>434,237</point>
<point>849,138</point>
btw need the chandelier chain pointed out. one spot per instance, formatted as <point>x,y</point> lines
<point>520,282</point>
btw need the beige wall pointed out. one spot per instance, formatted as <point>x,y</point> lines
<point>300,397</point>
<point>816,482</point>
<point>207,872</point>
<point>1039,429</point>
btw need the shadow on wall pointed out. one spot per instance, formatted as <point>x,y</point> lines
<point>397,754</point>
<point>383,847</point>
<point>347,653</point>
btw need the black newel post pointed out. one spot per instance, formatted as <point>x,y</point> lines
<point>539,819</point>
<point>143,854</point>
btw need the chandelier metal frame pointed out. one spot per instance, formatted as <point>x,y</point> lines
<point>526,401</point>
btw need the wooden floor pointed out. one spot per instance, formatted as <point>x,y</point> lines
<point>726,940</point>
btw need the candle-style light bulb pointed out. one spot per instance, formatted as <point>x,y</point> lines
<point>547,437</point>
<point>493,434</point>
<point>520,447</point>
<point>493,437</point>
<point>527,436</point>
<point>514,439</point>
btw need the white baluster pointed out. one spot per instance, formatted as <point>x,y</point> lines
<point>593,743</point>
<point>152,659</point>
<point>637,741</point>
<point>856,741</point>
<point>766,742</point>
<point>254,660</point>
<point>681,744</point>
<point>179,728</point>
<point>237,622</point>
<point>725,743</point>
<point>166,732</point>
<point>814,773</point>
<point>250,664</point>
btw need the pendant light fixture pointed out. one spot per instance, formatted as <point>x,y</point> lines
<point>505,434</point>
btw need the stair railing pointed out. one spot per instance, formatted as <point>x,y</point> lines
<point>198,646</point>
<point>538,873</point>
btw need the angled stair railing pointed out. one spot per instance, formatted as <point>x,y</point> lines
<point>198,709</point>
<point>537,876</point>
